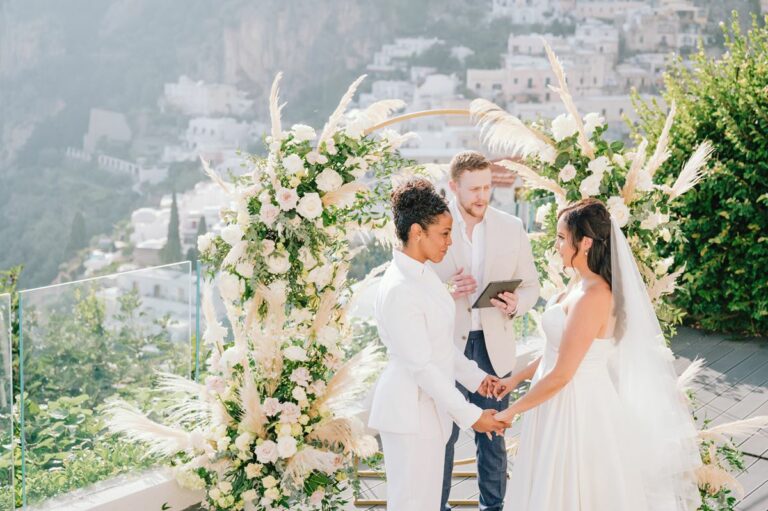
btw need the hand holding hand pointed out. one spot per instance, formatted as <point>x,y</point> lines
<point>506,416</point>
<point>489,386</point>
<point>506,303</point>
<point>462,285</point>
<point>488,424</point>
<point>504,387</point>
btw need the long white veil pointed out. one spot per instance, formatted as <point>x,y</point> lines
<point>647,384</point>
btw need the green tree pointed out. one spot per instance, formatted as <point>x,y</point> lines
<point>172,250</point>
<point>724,100</point>
<point>77,234</point>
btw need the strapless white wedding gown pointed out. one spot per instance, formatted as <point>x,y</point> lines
<point>575,451</point>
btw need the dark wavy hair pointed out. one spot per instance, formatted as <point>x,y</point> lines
<point>416,202</point>
<point>590,218</point>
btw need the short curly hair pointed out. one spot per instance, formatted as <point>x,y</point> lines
<point>416,202</point>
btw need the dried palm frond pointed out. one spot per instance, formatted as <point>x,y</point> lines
<point>533,179</point>
<point>324,311</point>
<point>350,381</point>
<point>685,380</point>
<point>275,107</point>
<point>235,253</point>
<point>504,133</point>
<point>214,176</point>
<point>338,114</point>
<point>567,99</point>
<point>129,421</point>
<point>307,460</point>
<point>740,428</point>
<point>192,408</point>
<point>380,111</point>
<point>344,196</point>
<point>661,153</point>
<point>692,171</point>
<point>337,432</point>
<point>714,479</point>
<point>664,285</point>
<point>628,192</point>
<point>253,419</point>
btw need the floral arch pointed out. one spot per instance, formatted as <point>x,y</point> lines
<point>274,423</point>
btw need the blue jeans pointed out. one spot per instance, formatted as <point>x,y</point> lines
<point>491,454</point>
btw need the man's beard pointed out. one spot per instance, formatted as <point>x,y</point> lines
<point>468,210</point>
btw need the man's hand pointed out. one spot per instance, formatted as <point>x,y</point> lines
<point>506,303</point>
<point>462,285</point>
<point>487,424</point>
<point>489,386</point>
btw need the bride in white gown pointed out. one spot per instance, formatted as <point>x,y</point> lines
<point>604,426</point>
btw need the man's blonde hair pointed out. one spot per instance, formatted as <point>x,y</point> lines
<point>468,161</point>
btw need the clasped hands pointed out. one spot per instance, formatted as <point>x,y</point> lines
<point>492,387</point>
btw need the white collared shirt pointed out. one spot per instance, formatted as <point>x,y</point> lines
<point>473,250</point>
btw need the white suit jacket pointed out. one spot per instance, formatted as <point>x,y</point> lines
<point>415,317</point>
<point>507,256</point>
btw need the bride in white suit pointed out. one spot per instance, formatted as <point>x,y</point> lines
<point>416,400</point>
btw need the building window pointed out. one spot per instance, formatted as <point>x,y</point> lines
<point>546,96</point>
<point>581,81</point>
<point>530,83</point>
<point>156,291</point>
<point>515,81</point>
<point>477,86</point>
<point>547,81</point>
<point>603,112</point>
<point>594,80</point>
<point>621,111</point>
<point>496,86</point>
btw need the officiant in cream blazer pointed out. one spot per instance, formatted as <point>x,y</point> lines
<point>488,245</point>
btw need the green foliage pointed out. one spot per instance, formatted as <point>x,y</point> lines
<point>171,252</point>
<point>374,255</point>
<point>725,218</point>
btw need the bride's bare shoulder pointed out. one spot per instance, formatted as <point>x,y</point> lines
<point>597,295</point>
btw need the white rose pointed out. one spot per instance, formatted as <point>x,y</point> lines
<point>287,198</point>
<point>249,495</point>
<point>266,452</point>
<point>303,133</point>
<point>278,289</point>
<point>293,163</point>
<point>299,394</point>
<point>271,407</point>
<point>310,206</point>
<point>563,126</point>
<point>599,165</point>
<point>590,186</point>
<point>214,494</point>
<point>542,212</point>
<point>666,235</point>
<point>267,247</point>
<point>290,413</point>
<point>232,233</point>
<point>663,219</point>
<point>286,446</point>
<point>591,121</point>
<point>284,430</point>
<point>295,353</point>
<point>269,482</point>
<point>243,442</point>
<point>278,264</point>
<point>329,180</point>
<point>619,160</point>
<point>618,210</point>
<point>272,494</point>
<point>204,242</point>
<point>306,258</point>
<point>245,269</point>
<point>252,470</point>
<point>567,173</point>
<point>231,287</point>
<point>314,157</point>
<point>268,214</point>
<point>650,223</point>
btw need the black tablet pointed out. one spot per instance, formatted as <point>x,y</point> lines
<point>494,289</point>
